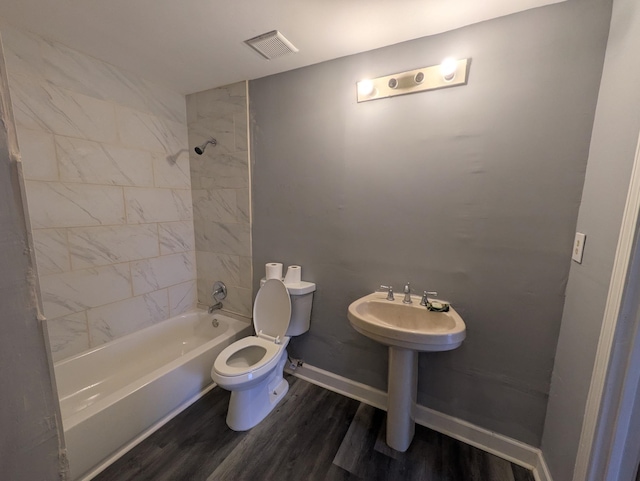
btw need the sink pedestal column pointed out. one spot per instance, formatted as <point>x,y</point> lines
<point>401,397</point>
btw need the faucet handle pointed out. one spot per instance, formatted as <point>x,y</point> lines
<point>218,291</point>
<point>425,299</point>
<point>389,290</point>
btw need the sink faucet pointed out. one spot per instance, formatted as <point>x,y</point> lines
<point>407,294</point>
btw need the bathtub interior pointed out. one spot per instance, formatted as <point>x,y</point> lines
<point>88,377</point>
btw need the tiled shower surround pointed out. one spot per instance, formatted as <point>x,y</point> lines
<point>221,193</point>
<point>108,189</point>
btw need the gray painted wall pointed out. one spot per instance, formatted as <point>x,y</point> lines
<point>471,191</point>
<point>613,145</point>
<point>29,443</point>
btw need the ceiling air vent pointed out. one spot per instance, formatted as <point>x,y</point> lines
<point>271,45</point>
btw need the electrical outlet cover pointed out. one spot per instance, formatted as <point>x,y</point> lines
<point>578,247</point>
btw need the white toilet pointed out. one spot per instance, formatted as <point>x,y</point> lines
<point>252,367</point>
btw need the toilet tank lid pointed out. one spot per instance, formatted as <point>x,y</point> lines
<point>296,288</point>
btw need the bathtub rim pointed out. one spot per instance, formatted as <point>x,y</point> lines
<point>72,421</point>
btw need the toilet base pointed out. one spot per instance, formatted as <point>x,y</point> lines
<point>250,406</point>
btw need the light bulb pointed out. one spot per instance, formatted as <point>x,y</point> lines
<point>365,88</point>
<point>448,68</point>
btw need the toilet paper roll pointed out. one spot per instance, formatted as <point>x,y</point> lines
<point>294,274</point>
<point>273,270</point>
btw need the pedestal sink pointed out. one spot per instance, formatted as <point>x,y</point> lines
<point>406,329</point>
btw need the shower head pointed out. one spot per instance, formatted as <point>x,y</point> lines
<point>200,148</point>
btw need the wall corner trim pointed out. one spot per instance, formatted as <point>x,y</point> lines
<point>489,441</point>
<point>590,438</point>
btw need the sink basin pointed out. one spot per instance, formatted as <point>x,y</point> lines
<point>410,326</point>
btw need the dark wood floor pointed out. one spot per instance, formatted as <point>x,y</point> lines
<point>314,434</point>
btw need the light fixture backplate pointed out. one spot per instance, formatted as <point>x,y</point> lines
<point>406,81</point>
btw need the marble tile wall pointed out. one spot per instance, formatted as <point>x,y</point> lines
<point>221,194</point>
<point>108,190</point>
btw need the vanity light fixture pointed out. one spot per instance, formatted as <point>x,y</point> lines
<point>450,73</point>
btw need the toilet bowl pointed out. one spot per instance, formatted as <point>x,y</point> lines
<point>252,367</point>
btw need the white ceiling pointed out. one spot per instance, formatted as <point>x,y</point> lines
<point>193,45</point>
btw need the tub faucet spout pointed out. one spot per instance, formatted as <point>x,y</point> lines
<point>215,307</point>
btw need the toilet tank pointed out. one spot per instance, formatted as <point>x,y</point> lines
<point>301,299</point>
<point>301,294</point>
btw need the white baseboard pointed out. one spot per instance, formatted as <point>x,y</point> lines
<point>489,441</point>
<point>342,385</point>
<point>541,470</point>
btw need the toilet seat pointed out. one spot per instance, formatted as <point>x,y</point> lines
<point>252,357</point>
<point>269,357</point>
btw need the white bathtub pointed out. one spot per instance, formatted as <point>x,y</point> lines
<point>115,395</point>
